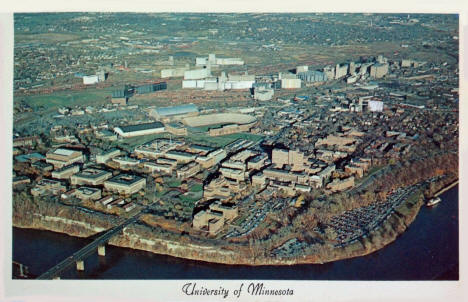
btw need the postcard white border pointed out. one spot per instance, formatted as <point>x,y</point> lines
<point>99,290</point>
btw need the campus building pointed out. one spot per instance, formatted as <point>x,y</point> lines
<point>125,184</point>
<point>62,157</point>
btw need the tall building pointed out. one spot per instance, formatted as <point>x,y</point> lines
<point>293,158</point>
<point>378,70</point>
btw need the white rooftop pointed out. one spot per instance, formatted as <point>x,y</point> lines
<point>64,152</point>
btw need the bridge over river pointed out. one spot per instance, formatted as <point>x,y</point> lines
<point>79,256</point>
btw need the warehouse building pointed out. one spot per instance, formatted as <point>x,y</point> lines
<point>197,74</point>
<point>140,129</point>
<point>212,60</point>
<point>173,72</point>
<point>125,184</point>
<point>290,83</point>
<point>312,76</point>
<point>149,88</point>
<point>90,80</point>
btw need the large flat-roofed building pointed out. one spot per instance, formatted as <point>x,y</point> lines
<point>238,175</point>
<point>45,186</point>
<point>293,158</point>
<point>326,173</point>
<point>197,74</point>
<point>140,129</point>
<point>86,193</point>
<point>290,83</point>
<point>126,162</point>
<point>176,129</point>
<point>173,72</point>
<point>27,141</point>
<point>280,157</point>
<point>158,167</point>
<point>157,148</point>
<point>125,184</point>
<point>174,111</point>
<point>65,172</point>
<point>181,156</point>
<point>90,176</point>
<point>312,76</point>
<point>107,155</point>
<point>281,175</point>
<point>188,170</point>
<point>62,157</point>
<point>230,212</point>
<point>211,221</point>
<point>340,185</point>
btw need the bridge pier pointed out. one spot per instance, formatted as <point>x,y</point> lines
<point>101,250</point>
<point>80,265</point>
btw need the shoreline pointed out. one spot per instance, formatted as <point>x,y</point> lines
<point>378,238</point>
<point>443,190</point>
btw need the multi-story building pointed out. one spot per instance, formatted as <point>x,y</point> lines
<point>91,177</point>
<point>62,157</point>
<point>158,167</point>
<point>125,184</point>
<point>140,129</point>
<point>86,193</point>
<point>188,170</point>
<point>107,155</point>
<point>293,158</point>
<point>66,172</point>
<point>45,186</point>
<point>211,221</point>
<point>340,185</point>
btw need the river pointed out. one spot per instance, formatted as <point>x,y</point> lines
<point>428,250</point>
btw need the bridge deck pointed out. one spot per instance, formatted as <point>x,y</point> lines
<point>86,250</point>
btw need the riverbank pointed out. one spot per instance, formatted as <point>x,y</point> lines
<point>443,190</point>
<point>140,237</point>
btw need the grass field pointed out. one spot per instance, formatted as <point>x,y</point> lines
<point>139,140</point>
<point>45,37</point>
<point>86,97</point>
<point>221,141</point>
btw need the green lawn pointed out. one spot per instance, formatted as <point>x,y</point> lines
<point>139,140</point>
<point>221,141</point>
<point>174,183</point>
<point>196,188</point>
<point>68,98</point>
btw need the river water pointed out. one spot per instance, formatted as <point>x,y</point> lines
<point>428,250</point>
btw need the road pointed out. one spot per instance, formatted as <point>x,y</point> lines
<point>87,250</point>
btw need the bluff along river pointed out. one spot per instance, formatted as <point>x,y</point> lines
<point>428,250</point>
